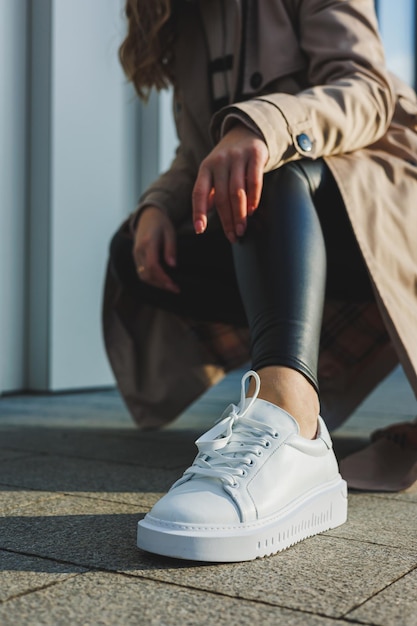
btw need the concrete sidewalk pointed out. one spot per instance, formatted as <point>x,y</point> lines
<point>75,477</point>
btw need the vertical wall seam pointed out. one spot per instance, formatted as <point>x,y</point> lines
<point>40,194</point>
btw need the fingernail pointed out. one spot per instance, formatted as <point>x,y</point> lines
<point>231,237</point>
<point>199,227</point>
<point>240,230</point>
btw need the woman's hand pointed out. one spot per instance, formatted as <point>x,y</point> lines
<point>155,242</point>
<point>231,176</point>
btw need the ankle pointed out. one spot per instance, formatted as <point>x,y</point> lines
<point>293,393</point>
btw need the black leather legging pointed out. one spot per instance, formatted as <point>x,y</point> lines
<point>274,279</point>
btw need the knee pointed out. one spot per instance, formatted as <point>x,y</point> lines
<point>285,191</point>
<point>298,177</point>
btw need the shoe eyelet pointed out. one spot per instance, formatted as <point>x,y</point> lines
<point>251,463</point>
<point>267,444</point>
<point>275,435</point>
<point>259,453</point>
<point>244,473</point>
<point>235,485</point>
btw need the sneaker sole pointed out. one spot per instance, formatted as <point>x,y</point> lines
<point>315,513</point>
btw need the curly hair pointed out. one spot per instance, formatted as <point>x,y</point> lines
<point>146,53</point>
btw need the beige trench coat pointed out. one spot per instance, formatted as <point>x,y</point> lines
<point>315,85</point>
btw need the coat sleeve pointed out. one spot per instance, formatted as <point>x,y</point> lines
<point>171,191</point>
<point>350,101</point>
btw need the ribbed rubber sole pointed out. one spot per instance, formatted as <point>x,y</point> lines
<point>315,513</point>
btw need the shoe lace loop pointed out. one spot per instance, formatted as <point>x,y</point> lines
<point>233,442</point>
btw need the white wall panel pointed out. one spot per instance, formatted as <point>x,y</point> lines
<point>83,118</point>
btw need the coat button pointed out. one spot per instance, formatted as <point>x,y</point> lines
<point>256,80</point>
<point>304,142</point>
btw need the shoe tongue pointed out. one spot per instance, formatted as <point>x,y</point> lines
<point>267,413</point>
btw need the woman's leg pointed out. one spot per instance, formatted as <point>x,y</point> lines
<point>256,485</point>
<point>281,270</point>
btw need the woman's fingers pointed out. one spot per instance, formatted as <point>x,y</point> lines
<point>254,177</point>
<point>151,271</point>
<point>201,198</point>
<point>238,201</point>
<point>221,179</point>
<point>233,172</point>
<point>225,201</point>
<point>155,239</point>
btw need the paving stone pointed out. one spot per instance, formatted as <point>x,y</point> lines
<point>21,574</point>
<point>98,479</point>
<point>319,575</point>
<point>383,520</point>
<point>408,495</point>
<point>97,409</point>
<point>80,530</point>
<point>322,575</point>
<point>99,598</point>
<point>165,449</point>
<point>395,605</point>
<point>13,499</point>
<point>7,455</point>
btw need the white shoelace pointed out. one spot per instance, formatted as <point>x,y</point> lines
<point>231,446</point>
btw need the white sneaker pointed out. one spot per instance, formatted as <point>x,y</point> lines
<point>256,487</point>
